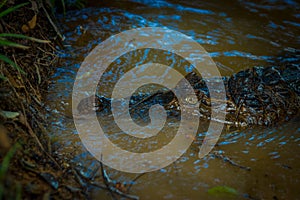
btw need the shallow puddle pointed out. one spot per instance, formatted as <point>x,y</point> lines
<point>238,35</point>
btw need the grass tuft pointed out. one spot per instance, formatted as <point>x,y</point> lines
<point>7,43</point>
<point>11,9</point>
<point>5,164</point>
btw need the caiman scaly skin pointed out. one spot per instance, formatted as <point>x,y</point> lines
<point>256,96</point>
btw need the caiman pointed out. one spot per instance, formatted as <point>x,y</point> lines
<point>257,96</point>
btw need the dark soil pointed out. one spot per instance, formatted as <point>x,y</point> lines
<point>33,171</point>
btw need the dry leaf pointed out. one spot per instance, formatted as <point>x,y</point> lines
<point>9,114</point>
<point>32,22</point>
<point>34,6</point>
<point>25,28</point>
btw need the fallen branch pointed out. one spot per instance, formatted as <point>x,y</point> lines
<point>135,179</point>
<point>106,179</point>
<point>24,121</point>
<point>226,159</point>
<point>51,22</point>
<point>112,189</point>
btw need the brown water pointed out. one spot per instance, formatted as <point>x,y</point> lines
<point>238,35</point>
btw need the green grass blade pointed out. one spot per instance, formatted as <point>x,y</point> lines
<point>3,3</point>
<point>64,6</point>
<point>9,10</point>
<point>19,191</point>
<point>6,160</point>
<point>80,5</point>
<point>23,37</point>
<point>4,42</point>
<point>9,61</point>
<point>2,77</point>
<point>223,191</point>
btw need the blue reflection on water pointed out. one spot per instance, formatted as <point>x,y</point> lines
<point>292,23</point>
<point>212,36</point>
<point>162,4</point>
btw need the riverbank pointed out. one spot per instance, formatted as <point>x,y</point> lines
<point>28,167</point>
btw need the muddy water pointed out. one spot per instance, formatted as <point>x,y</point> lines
<point>238,35</point>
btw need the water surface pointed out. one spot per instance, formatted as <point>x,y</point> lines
<point>238,35</point>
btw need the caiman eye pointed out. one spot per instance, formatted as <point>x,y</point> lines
<point>191,100</point>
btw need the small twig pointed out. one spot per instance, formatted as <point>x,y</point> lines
<point>25,122</point>
<point>99,185</point>
<point>112,189</point>
<point>38,74</point>
<point>103,173</point>
<point>106,179</point>
<point>134,180</point>
<point>93,174</point>
<point>77,176</point>
<point>81,182</point>
<point>52,23</point>
<point>226,159</point>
